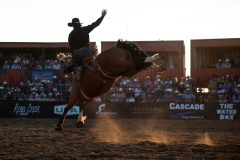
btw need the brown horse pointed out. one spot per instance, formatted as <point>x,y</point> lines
<point>124,59</point>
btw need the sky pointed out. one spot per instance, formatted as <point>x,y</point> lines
<point>133,20</point>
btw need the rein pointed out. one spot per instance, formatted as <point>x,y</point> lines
<point>98,68</point>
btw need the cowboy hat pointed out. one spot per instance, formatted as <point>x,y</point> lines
<point>74,21</point>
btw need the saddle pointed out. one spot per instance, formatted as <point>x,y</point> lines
<point>85,61</point>
<point>89,62</point>
<point>84,53</point>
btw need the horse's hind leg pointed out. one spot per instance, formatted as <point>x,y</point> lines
<point>59,126</point>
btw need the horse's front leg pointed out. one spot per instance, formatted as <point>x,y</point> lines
<point>59,126</point>
<point>81,118</point>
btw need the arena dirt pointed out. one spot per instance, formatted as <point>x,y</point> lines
<point>108,138</point>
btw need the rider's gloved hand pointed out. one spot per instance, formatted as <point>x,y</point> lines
<point>104,12</point>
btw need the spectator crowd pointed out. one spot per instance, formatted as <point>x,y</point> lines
<point>223,89</point>
<point>223,63</point>
<point>28,61</point>
<point>220,89</point>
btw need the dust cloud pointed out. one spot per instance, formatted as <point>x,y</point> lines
<point>205,139</point>
<point>109,130</point>
<point>154,134</point>
<point>113,130</point>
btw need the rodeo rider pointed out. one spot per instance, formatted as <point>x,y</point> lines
<point>79,42</point>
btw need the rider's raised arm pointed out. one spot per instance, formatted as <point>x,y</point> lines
<point>90,27</point>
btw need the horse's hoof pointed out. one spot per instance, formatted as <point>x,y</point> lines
<point>58,128</point>
<point>79,124</point>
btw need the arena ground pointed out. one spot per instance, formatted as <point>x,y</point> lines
<point>108,138</point>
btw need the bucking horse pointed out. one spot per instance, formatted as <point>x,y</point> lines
<point>100,73</point>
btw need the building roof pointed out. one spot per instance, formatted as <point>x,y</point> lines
<point>34,44</point>
<point>151,46</point>
<point>228,42</point>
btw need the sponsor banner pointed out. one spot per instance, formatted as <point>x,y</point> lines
<point>35,109</point>
<point>59,109</point>
<point>139,109</point>
<point>105,110</point>
<point>186,106</point>
<point>98,110</point>
<point>186,115</point>
<point>148,110</point>
<point>43,109</point>
<point>25,110</point>
<point>168,110</point>
<point>186,110</point>
<point>227,111</point>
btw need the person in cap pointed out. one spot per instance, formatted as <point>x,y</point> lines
<point>227,63</point>
<point>219,63</point>
<point>79,41</point>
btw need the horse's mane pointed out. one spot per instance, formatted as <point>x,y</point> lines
<point>132,48</point>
